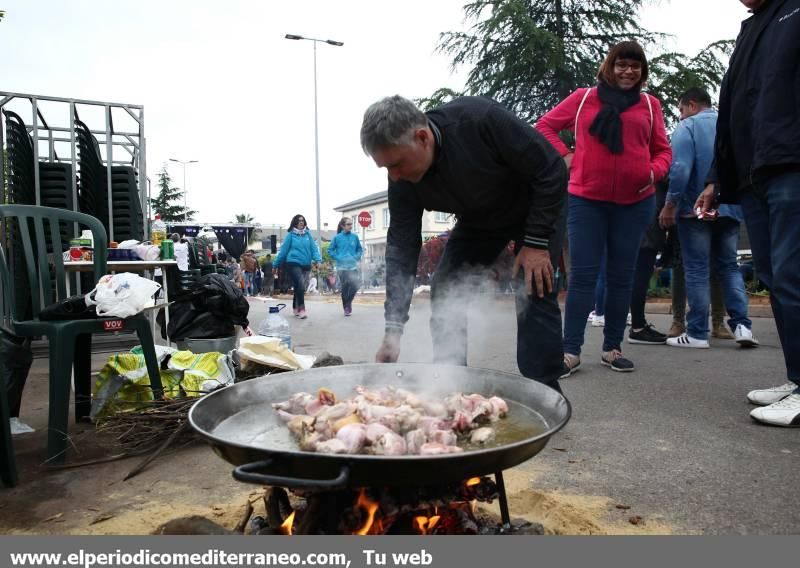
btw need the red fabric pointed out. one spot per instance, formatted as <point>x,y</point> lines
<point>598,174</point>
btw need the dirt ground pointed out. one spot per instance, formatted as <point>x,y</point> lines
<point>93,499</point>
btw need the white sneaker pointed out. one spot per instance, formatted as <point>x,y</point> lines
<point>744,337</point>
<point>763,397</point>
<point>685,340</point>
<point>598,321</point>
<point>590,319</point>
<point>785,412</point>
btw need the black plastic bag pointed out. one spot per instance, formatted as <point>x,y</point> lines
<point>211,310</point>
<point>16,358</point>
<point>71,308</point>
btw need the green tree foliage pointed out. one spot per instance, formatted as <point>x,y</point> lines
<point>165,202</point>
<point>530,54</point>
<point>244,218</point>
<point>671,74</point>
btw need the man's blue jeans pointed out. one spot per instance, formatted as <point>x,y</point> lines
<point>772,215</point>
<point>595,227</point>
<point>707,244</point>
<point>248,283</point>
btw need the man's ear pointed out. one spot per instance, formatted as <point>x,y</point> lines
<point>424,137</point>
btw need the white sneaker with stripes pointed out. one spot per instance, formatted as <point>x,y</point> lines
<point>685,340</point>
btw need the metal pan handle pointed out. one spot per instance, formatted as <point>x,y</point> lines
<point>249,473</point>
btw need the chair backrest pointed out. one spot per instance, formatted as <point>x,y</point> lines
<point>39,256</point>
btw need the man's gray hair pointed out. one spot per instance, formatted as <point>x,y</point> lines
<point>390,122</point>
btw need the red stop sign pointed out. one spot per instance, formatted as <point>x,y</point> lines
<point>364,219</point>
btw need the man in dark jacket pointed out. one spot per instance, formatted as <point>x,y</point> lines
<point>757,163</point>
<point>503,181</point>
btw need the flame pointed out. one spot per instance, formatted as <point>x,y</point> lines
<point>424,525</point>
<point>370,507</point>
<point>473,481</point>
<point>286,527</point>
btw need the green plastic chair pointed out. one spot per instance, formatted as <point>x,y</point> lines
<point>30,235</point>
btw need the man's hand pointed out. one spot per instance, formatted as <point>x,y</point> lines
<point>568,160</point>
<point>706,200</point>
<point>537,269</point>
<point>666,218</point>
<point>389,350</point>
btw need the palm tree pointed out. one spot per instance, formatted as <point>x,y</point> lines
<point>244,218</point>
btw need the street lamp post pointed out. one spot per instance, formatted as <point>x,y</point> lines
<point>316,129</point>
<point>183,163</point>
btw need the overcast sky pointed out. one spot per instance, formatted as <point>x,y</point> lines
<point>221,85</point>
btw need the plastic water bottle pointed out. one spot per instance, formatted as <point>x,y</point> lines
<point>275,325</point>
<point>158,231</point>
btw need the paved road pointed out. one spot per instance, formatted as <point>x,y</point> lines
<point>673,440</point>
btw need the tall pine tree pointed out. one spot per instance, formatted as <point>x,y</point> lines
<point>164,202</point>
<point>530,54</point>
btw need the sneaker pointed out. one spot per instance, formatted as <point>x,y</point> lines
<point>598,321</point>
<point>348,311</point>
<point>572,364</point>
<point>721,331</point>
<point>785,412</point>
<point>296,312</point>
<point>685,340</point>
<point>677,328</point>
<point>301,313</point>
<point>629,319</point>
<point>744,336</point>
<point>590,319</point>
<point>616,361</point>
<point>647,335</point>
<point>764,397</point>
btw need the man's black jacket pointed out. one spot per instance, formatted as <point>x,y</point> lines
<point>496,173</point>
<point>758,130</point>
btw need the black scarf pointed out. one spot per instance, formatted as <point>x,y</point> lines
<point>607,125</point>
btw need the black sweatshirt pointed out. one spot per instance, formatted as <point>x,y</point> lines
<point>496,173</point>
<point>758,132</point>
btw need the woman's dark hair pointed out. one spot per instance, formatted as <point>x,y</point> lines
<point>342,223</point>
<point>296,220</point>
<point>623,50</point>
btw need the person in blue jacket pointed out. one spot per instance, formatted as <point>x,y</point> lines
<point>298,252</point>
<point>345,250</point>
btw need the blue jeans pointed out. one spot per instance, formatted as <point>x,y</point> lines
<point>594,227</point>
<point>297,274</point>
<point>600,289</point>
<point>771,212</point>
<point>248,283</point>
<point>704,242</point>
<point>350,282</point>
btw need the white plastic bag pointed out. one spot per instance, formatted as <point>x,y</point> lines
<point>148,252</point>
<point>122,295</point>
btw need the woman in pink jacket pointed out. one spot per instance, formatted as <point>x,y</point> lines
<point>621,150</point>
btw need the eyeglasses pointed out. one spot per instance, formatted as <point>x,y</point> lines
<point>632,66</point>
<point>348,224</point>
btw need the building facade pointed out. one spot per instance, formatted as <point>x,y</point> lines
<point>373,238</point>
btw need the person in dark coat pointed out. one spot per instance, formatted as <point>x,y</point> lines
<point>503,181</point>
<point>757,163</point>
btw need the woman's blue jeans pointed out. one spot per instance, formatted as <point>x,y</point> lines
<point>595,227</point>
<point>298,275</point>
